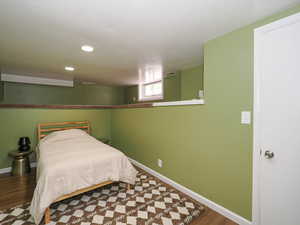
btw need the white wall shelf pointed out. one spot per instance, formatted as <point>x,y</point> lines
<point>178,103</point>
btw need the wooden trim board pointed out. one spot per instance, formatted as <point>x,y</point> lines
<point>34,106</point>
<point>138,105</point>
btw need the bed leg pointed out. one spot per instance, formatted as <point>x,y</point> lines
<point>128,187</point>
<point>47,216</point>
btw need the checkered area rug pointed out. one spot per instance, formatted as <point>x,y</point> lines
<point>149,202</point>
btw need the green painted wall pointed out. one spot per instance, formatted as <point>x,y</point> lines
<point>17,93</point>
<point>171,90</point>
<point>15,123</point>
<point>206,151</point>
<point>191,82</point>
<point>1,91</point>
<point>131,94</point>
<point>204,148</point>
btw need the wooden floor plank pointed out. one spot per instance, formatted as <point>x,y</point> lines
<point>15,190</point>
<point>18,190</point>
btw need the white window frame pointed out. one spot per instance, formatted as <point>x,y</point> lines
<point>143,84</point>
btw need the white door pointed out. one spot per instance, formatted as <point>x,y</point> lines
<point>277,112</point>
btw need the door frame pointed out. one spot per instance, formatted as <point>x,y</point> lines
<point>259,34</point>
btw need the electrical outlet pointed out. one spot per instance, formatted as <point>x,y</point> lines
<point>160,163</point>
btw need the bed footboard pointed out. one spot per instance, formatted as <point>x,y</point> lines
<point>47,216</point>
<point>47,212</point>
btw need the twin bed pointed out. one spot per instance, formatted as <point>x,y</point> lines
<point>70,162</point>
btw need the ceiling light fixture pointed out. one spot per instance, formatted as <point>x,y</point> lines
<point>69,68</point>
<point>87,48</point>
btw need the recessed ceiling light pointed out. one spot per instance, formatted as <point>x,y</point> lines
<point>69,68</point>
<point>87,48</point>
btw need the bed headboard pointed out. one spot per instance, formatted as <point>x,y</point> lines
<point>46,128</point>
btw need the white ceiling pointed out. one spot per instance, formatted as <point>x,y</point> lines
<point>42,37</point>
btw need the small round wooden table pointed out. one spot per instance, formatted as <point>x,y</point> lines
<point>21,162</point>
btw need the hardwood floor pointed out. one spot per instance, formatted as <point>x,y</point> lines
<point>15,190</point>
<point>18,190</point>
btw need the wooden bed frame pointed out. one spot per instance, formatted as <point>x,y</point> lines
<point>46,128</point>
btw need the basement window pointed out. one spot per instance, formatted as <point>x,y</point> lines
<point>151,84</point>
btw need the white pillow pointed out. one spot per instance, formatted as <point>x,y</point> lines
<point>64,135</point>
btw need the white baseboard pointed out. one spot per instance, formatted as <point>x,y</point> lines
<point>5,170</point>
<point>8,169</point>
<point>218,208</point>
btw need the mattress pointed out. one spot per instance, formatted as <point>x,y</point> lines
<point>71,160</point>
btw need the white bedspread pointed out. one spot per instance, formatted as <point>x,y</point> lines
<point>70,160</point>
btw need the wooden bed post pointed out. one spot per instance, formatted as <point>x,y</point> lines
<point>47,216</point>
<point>39,132</point>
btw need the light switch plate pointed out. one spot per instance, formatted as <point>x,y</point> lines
<point>246,117</point>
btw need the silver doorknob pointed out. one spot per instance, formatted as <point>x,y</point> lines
<point>269,154</point>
